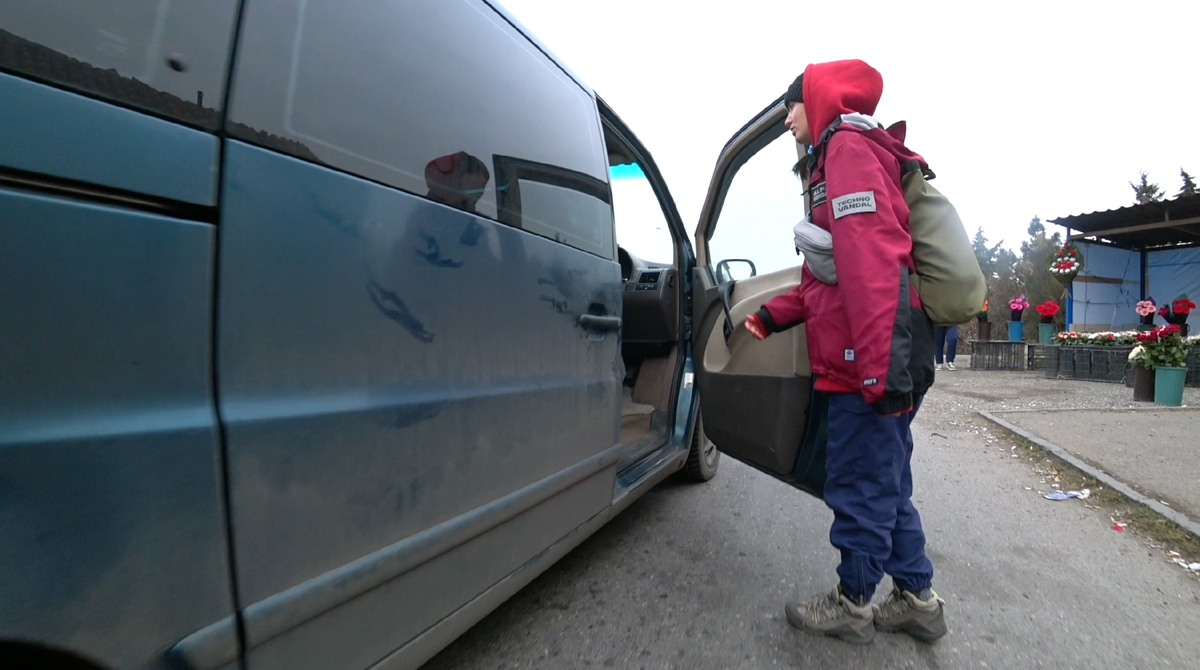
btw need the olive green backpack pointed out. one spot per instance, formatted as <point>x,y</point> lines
<point>948,279</point>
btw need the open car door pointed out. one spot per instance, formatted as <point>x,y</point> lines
<point>756,397</point>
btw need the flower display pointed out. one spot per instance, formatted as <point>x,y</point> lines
<point>1067,263</point>
<point>1047,310</point>
<point>1101,339</point>
<point>1017,306</point>
<point>1164,346</point>
<point>1138,357</point>
<point>1177,312</point>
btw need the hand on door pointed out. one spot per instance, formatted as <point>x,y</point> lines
<point>755,326</point>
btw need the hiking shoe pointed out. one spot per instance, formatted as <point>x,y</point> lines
<point>950,367</point>
<point>835,615</point>
<point>938,367</point>
<point>919,615</point>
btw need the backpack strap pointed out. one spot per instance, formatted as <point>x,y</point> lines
<point>912,166</point>
<point>828,132</point>
<point>815,152</point>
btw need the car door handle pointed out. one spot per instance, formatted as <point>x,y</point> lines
<point>726,293</point>
<point>593,322</point>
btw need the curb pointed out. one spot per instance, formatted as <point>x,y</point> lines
<point>1174,515</point>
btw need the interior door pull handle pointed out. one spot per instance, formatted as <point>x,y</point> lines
<point>593,322</point>
<point>726,292</point>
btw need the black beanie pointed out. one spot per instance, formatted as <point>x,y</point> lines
<point>795,92</point>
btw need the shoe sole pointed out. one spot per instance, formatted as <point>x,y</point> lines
<point>915,630</point>
<point>867,637</point>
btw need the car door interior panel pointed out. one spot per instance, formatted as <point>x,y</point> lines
<point>755,393</point>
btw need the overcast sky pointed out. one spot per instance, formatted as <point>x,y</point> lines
<point>1022,108</point>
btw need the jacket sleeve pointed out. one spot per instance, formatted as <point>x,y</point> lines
<point>784,311</point>
<point>872,249</point>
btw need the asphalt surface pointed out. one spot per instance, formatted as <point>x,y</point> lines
<point>695,576</point>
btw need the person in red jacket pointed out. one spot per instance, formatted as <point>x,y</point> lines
<point>871,349</point>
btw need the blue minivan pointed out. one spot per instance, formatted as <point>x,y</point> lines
<point>327,325</point>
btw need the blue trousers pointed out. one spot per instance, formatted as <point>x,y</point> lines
<point>868,485</point>
<point>945,337</point>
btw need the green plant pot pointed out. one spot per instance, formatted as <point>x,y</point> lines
<point>1168,386</point>
<point>1045,333</point>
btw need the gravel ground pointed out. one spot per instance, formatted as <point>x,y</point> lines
<point>998,391</point>
<point>695,577</point>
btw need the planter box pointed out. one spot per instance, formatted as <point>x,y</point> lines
<point>998,355</point>
<point>1097,364</point>
<point>1043,357</point>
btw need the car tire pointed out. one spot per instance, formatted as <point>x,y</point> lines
<point>703,458</point>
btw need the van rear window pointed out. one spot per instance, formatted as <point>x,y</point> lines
<point>441,98</point>
<point>167,58</point>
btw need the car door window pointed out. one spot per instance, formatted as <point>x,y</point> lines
<point>642,228</point>
<point>764,202</point>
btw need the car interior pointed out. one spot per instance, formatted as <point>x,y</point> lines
<point>652,316</point>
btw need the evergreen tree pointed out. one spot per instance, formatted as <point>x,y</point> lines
<point>1145,192</point>
<point>1189,186</point>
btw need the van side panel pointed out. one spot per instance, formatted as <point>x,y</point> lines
<point>104,145</point>
<point>380,376</point>
<point>113,543</point>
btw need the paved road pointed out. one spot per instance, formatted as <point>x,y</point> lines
<point>695,576</point>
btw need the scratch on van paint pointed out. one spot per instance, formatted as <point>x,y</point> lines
<point>471,234</point>
<point>406,496</point>
<point>433,253</point>
<point>411,415</point>
<point>397,311</point>
<point>564,280</point>
<point>560,306</point>
<point>335,219</point>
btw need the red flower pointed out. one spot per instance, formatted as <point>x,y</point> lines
<point>1159,333</point>
<point>1183,306</point>
<point>1048,308</point>
<point>1165,311</point>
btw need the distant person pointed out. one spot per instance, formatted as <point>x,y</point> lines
<point>869,343</point>
<point>945,339</point>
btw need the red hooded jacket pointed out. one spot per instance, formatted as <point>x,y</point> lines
<point>867,333</point>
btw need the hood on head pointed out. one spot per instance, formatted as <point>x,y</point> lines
<point>839,87</point>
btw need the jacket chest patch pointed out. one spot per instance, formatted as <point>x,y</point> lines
<point>818,194</point>
<point>853,203</point>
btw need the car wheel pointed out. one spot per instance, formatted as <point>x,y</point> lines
<point>703,458</point>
